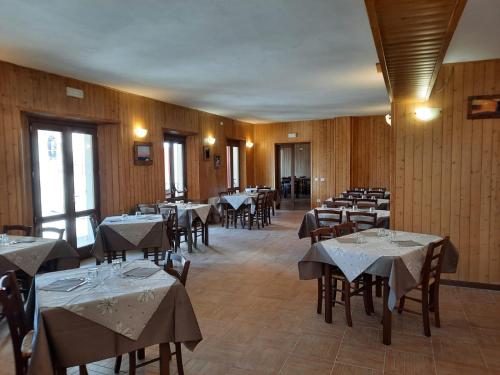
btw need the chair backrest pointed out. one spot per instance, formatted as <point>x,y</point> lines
<point>261,201</point>
<point>147,208</point>
<point>169,211</point>
<point>231,191</point>
<point>434,260</point>
<point>375,194</point>
<point>13,309</point>
<point>366,203</point>
<point>94,223</point>
<point>172,259</point>
<point>377,190</point>
<point>59,232</point>
<point>25,230</point>
<point>343,202</point>
<point>364,220</point>
<point>344,229</point>
<point>355,193</point>
<point>327,217</point>
<point>222,193</point>
<point>321,234</point>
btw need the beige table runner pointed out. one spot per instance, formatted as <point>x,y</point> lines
<point>133,228</point>
<point>122,304</point>
<point>27,253</point>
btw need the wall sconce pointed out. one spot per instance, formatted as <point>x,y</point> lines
<point>249,144</point>
<point>426,113</point>
<point>140,132</point>
<point>388,119</point>
<point>210,140</point>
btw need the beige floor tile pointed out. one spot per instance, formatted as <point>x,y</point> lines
<point>296,365</point>
<point>404,363</point>
<point>345,369</point>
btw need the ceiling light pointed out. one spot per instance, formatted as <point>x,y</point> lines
<point>426,113</point>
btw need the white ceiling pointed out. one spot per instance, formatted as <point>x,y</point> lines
<point>255,60</point>
<point>476,36</point>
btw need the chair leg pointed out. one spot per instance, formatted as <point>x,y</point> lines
<point>334,291</point>
<point>164,358</point>
<point>435,303</point>
<point>118,364</point>
<point>132,363</point>
<point>378,286</point>
<point>178,358</point>
<point>346,286</point>
<point>425,310</point>
<point>141,354</point>
<point>401,304</point>
<point>367,294</point>
<point>320,295</point>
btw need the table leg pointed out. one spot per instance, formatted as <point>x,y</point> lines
<point>189,232</point>
<point>164,358</point>
<point>387,313</point>
<point>328,292</point>
<point>206,233</point>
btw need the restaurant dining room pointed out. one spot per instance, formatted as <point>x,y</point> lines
<point>280,187</point>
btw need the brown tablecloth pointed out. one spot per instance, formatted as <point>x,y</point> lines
<point>402,265</point>
<point>30,256</point>
<point>71,339</point>
<point>309,222</point>
<point>108,239</point>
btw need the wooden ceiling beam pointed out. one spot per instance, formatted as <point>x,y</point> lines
<point>411,38</point>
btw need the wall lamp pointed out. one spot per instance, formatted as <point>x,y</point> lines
<point>249,144</point>
<point>426,113</point>
<point>388,119</point>
<point>140,132</point>
<point>210,140</point>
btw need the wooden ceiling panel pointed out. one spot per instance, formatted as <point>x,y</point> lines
<point>411,37</point>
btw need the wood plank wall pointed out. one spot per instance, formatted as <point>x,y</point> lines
<point>370,152</point>
<point>446,175</point>
<point>330,152</point>
<point>24,90</point>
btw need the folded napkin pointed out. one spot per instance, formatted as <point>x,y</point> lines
<point>141,272</point>
<point>64,285</point>
<point>409,243</point>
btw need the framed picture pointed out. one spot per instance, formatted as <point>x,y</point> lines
<point>483,107</point>
<point>143,153</point>
<point>217,161</point>
<point>206,153</point>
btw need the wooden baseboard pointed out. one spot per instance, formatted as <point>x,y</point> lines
<point>470,284</point>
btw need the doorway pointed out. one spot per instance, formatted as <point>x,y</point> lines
<point>65,178</point>
<point>293,175</point>
<point>233,164</point>
<point>174,148</point>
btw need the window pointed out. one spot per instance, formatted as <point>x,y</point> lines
<point>233,164</point>
<point>175,166</point>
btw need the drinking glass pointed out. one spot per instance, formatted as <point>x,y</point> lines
<point>372,209</point>
<point>116,265</point>
<point>138,213</point>
<point>4,239</point>
<point>124,216</point>
<point>92,275</point>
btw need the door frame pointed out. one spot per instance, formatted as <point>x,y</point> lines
<point>182,139</point>
<point>234,143</point>
<point>66,127</point>
<point>277,168</point>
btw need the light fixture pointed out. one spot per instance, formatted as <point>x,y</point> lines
<point>140,132</point>
<point>249,144</point>
<point>426,113</point>
<point>210,140</point>
<point>388,119</point>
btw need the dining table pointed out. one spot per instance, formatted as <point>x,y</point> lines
<point>309,220</point>
<point>29,253</point>
<point>397,257</point>
<point>87,314</point>
<point>187,212</point>
<point>130,232</point>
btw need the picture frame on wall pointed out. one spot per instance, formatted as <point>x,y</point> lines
<point>217,161</point>
<point>143,153</point>
<point>483,107</point>
<point>206,153</point>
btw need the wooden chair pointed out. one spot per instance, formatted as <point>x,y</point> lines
<point>228,214</point>
<point>376,194</point>
<point>346,291</point>
<point>59,232</point>
<point>269,206</point>
<point>178,230</point>
<point>355,193</point>
<point>21,335</point>
<point>366,203</point>
<point>169,267</point>
<point>260,211</point>
<point>147,208</point>
<point>344,229</point>
<point>327,217</point>
<point>25,230</point>
<point>343,202</point>
<point>429,286</point>
<point>364,220</point>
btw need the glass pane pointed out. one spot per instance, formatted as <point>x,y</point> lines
<point>236,167</point>
<point>83,170</point>
<point>50,163</point>
<point>60,224</point>
<point>84,232</point>
<point>166,151</point>
<point>178,166</point>
<point>228,167</point>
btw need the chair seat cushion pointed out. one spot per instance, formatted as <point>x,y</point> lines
<point>26,345</point>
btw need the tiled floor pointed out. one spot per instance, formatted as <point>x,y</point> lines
<point>258,318</point>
